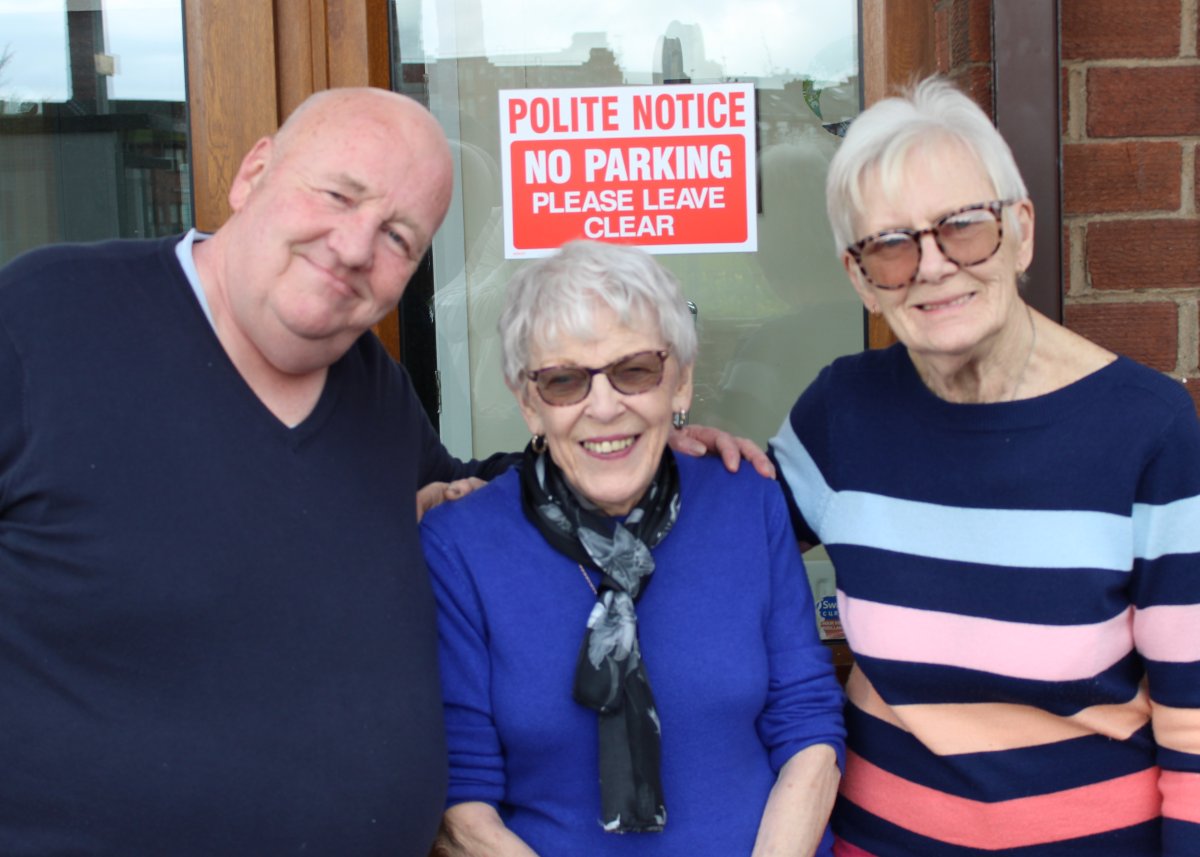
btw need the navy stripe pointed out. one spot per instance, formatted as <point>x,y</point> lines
<point>1179,837</point>
<point>1169,580</point>
<point>1000,775</point>
<point>1035,595</point>
<point>1177,685</point>
<point>1177,760</point>
<point>903,683</point>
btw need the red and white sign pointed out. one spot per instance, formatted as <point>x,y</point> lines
<point>668,168</point>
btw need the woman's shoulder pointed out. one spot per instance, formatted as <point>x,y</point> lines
<point>495,502</point>
<point>1152,383</point>
<point>1078,364</point>
<point>707,479</point>
<point>1127,389</point>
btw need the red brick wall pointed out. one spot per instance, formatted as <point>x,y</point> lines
<point>1131,119</point>
<point>1130,162</point>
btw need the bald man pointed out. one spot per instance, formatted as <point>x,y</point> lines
<point>216,632</point>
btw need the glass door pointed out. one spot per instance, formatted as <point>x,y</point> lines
<point>769,319</point>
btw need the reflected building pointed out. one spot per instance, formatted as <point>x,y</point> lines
<point>672,62</point>
<point>91,167</point>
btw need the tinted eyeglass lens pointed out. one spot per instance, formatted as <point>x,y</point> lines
<point>966,238</point>
<point>892,259</point>
<point>568,385</point>
<point>969,237</point>
<point>636,374</point>
<point>564,386</point>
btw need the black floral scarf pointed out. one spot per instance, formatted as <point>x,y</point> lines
<point>610,676</point>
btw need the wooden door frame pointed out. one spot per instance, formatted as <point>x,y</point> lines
<point>250,63</point>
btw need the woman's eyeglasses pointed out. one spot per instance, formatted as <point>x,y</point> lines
<point>630,375</point>
<point>968,236</point>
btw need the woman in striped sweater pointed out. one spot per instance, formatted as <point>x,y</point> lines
<point>1014,516</point>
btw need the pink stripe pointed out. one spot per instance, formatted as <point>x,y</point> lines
<point>842,848</point>
<point>1015,649</point>
<point>1169,632</point>
<point>1020,822</point>
<point>1181,795</point>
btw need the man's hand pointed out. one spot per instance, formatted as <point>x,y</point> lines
<point>436,493</point>
<point>703,440</point>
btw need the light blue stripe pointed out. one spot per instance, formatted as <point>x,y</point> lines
<point>1023,538</point>
<point>801,475</point>
<point>1018,538</point>
<point>1171,528</point>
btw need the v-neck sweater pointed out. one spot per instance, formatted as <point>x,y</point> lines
<point>217,634</point>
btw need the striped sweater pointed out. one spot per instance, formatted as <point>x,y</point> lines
<point>1020,585</point>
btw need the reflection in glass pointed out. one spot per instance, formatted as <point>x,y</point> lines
<point>768,320</point>
<point>93,122</point>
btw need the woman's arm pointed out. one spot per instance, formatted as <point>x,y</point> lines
<point>801,723</point>
<point>474,829</point>
<point>799,805</point>
<point>1166,620</point>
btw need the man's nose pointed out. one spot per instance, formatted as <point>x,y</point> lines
<point>354,239</point>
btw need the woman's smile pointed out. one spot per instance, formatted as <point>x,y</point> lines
<point>947,304</point>
<point>609,448</point>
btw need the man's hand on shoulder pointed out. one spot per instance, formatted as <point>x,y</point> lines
<point>436,493</point>
<point>704,440</point>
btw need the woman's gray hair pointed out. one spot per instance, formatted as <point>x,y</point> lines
<point>882,136</point>
<point>556,297</point>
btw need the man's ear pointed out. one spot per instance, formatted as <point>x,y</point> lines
<point>251,170</point>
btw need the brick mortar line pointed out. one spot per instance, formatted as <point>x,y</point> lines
<point>1182,139</point>
<point>1189,17</point>
<point>1182,298</point>
<point>1076,129</point>
<point>1087,217</point>
<point>1133,62</point>
<point>1079,284</point>
<point>1188,359</point>
<point>1188,179</point>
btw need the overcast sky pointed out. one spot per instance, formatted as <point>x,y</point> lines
<point>744,38</point>
<point>747,38</point>
<point>146,36</point>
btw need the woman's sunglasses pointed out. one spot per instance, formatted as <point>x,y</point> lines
<point>629,375</point>
<point>966,236</point>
